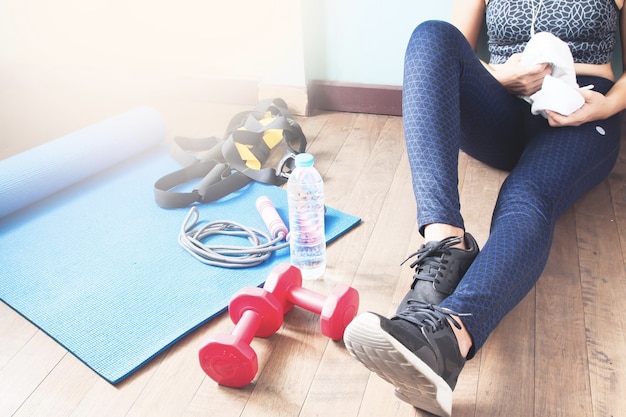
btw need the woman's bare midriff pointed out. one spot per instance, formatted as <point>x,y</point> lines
<point>604,70</point>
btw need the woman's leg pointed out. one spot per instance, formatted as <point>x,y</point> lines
<point>450,101</point>
<point>557,167</point>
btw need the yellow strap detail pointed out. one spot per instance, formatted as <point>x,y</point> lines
<point>271,137</point>
<point>248,156</point>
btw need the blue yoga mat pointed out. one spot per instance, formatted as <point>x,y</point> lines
<point>96,263</point>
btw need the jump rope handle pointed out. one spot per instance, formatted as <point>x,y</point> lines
<point>270,216</point>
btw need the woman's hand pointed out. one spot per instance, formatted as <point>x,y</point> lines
<point>520,79</point>
<point>595,108</point>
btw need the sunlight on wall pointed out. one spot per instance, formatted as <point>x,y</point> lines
<point>238,38</point>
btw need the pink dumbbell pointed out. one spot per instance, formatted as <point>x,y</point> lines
<point>228,358</point>
<point>336,310</point>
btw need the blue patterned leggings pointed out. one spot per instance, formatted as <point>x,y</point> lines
<point>451,102</point>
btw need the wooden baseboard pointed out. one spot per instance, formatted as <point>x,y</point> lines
<point>318,95</point>
<point>355,98</point>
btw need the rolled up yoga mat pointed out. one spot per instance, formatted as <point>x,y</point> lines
<point>39,172</point>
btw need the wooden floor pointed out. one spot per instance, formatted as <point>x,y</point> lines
<point>561,352</point>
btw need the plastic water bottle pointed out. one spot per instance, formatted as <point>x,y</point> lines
<point>307,241</point>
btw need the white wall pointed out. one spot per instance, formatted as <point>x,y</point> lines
<point>73,62</point>
<point>276,41</point>
<point>363,41</point>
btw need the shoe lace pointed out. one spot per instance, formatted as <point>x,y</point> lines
<point>430,262</point>
<point>429,315</point>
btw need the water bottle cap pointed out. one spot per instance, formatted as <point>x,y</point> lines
<point>304,160</point>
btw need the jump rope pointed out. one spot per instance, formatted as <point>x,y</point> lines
<point>193,235</point>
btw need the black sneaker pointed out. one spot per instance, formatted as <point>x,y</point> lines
<point>438,269</point>
<point>416,351</point>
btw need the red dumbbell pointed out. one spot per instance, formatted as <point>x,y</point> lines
<point>228,358</point>
<point>336,310</point>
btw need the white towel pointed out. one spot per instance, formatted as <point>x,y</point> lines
<point>559,91</point>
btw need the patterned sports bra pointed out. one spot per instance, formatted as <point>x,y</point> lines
<point>588,26</point>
